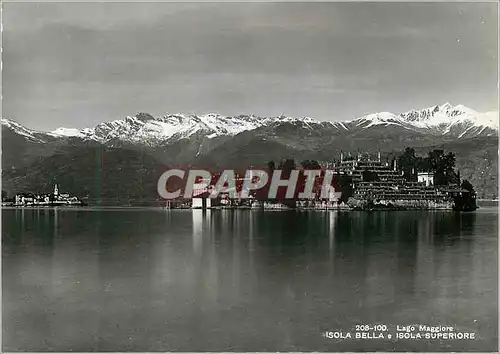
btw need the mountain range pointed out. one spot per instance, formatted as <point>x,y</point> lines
<point>143,145</point>
<point>441,120</point>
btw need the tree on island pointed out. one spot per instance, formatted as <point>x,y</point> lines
<point>271,166</point>
<point>468,186</point>
<point>310,165</point>
<point>286,166</point>
<point>408,163</point>
<point>442,165</point>
<point>466,200</point>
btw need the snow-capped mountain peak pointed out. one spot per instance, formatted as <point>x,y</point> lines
<point>439,120</point>
<point>444,107</point>
<point>69,132</point>
<point>17,128</point>
<point>376,119</point>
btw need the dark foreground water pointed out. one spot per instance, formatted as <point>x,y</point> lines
<point>146,280</point>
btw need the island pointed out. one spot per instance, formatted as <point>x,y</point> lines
<point>26,199</point>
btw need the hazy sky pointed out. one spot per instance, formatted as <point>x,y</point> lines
<point>78,64</point>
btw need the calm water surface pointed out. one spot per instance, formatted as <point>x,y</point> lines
<point>149,280</point>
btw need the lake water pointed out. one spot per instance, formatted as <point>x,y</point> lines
<point>151,280</point>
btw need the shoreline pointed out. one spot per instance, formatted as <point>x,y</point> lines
<point>163,209</point>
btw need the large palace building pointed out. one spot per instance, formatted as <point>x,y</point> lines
<point>379,182</point>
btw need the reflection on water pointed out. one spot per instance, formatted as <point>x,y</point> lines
<point>144,280</point>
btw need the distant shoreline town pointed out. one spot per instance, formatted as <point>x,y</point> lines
<point>42,200</point>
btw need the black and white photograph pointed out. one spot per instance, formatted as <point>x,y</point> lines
<point>268,176</point>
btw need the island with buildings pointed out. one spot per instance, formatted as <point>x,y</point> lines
<point>406,182</point>
<point>42,200</point>
<point>378,185</point>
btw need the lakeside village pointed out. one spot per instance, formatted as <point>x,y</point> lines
<point>407,182</point>
<point>42,200</point>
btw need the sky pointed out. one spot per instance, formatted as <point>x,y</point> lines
<point>79,64</point>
